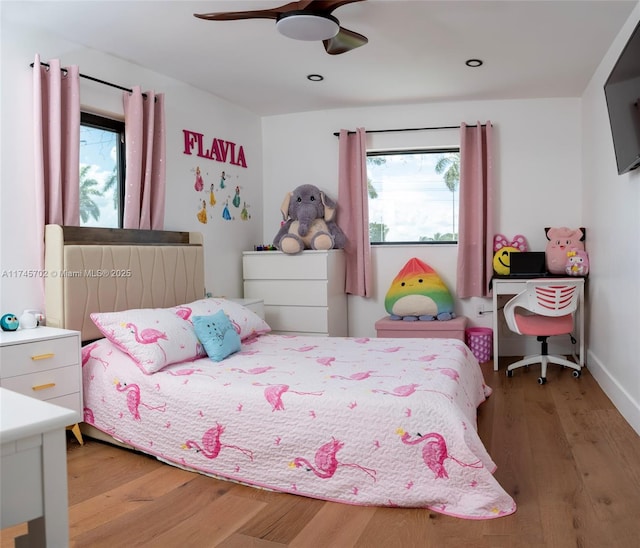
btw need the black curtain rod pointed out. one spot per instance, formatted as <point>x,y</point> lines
<point>337,133</point>
<point>104,82</point>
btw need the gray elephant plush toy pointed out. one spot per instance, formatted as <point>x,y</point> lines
<point>309,222</point>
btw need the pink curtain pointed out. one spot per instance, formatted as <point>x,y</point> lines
<point>56,125</point>
<point>475,239</point>
<point>145,177</point>
<point>353,212</point>
<point>56,116</point>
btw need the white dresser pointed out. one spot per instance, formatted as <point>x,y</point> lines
<point>303,294</point>
<point>43,363</point>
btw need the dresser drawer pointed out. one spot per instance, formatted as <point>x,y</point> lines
<point>35,356</point>
<point>297,318</point>
<point>45,385</point>
<point>288,292</point>
<point>276,265</point>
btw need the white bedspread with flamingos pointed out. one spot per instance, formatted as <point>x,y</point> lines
<point>385,422</point>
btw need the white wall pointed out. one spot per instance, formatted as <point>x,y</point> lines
<point>611,206</point>
<point>537,167</point>
<point>185,108</point>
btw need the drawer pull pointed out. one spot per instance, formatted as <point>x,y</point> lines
<point>43,386</point>
<point>42,356</point>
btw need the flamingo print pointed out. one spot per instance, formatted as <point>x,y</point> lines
<point>133,399</point>
<point>184,312</point>
<point>400,391</point>
<point>407,390</point>
<point>86,355</point>
<point>210,446</point>
<point>273,394</point>
<point>326,462</point>
<point>253,371</point>
<point>359,376</point>
<point>434,453</point>
<point>303,348</point>
<point>148,336</point>
<point>451,373</point>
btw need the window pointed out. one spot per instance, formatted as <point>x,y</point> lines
<point>413,196</point>
<point>101,171</point>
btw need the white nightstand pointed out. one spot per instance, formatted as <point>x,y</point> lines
<point>44,363</point>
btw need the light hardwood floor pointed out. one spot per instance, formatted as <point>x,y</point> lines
<point>563,452</point>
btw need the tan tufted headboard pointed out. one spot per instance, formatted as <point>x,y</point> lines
<point>107,270</point>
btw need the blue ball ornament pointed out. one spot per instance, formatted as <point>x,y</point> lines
<point>9,322</point>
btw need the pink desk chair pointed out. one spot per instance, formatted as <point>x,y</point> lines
<point>545,308</point>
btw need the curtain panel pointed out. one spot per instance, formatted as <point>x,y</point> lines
<point>475,238</point>
<point>353,202</point>
<point>145,177</point>
<point>56,108</point>
<point>56,129</point>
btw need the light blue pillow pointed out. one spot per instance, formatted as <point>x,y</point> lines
<point>217,335</point>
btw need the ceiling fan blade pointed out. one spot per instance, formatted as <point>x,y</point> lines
<point>326,6</point>
<point>255,14</point>
<point>235,15</point>
<point>344,41</point>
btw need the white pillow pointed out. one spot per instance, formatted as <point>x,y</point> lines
<point>153,337</point>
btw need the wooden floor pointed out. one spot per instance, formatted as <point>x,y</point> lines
<point>563,452</point>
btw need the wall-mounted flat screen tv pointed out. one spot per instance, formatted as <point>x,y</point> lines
<point>622,91</point>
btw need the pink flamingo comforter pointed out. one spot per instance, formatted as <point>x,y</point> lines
<point>386,422</point>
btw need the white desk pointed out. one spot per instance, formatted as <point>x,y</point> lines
<point>33,468</point>
<point>509,286</point>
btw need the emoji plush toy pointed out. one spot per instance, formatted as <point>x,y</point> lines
<point>9,322</point>
<point>503,248</point>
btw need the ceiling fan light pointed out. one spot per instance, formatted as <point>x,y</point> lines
<point>305,26</point>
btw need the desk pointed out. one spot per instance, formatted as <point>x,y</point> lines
<point>510,286</point>
<point>34,468</point>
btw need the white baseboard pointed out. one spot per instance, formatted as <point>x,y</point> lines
<point>628,407</point>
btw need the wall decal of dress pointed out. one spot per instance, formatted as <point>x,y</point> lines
<point>199,184</point>
<point>223,178</point>
<point>225,212</point>
<point>236,198</point>
<point>244,214</point>
<point>212,196</point>
<point>202,214</point>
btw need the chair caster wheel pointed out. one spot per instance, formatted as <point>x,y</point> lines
<point>576,373</point>
<point>542,380</point>
<point>509,373</point>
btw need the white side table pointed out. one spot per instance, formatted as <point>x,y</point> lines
<point>44,363</point>
<point>33,468</point>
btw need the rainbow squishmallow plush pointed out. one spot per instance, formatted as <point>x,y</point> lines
<point>418,293</point>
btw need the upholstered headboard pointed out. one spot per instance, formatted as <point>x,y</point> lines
<point>107,270</point>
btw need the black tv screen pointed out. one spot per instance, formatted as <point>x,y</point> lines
<point>622,91</point>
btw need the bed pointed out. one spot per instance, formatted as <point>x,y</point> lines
<point>202,384</point>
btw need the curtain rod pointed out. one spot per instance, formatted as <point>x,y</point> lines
<point>337,133</point>
<point>104,82</point>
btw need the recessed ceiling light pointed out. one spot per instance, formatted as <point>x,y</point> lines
<point>315,77</point>
<point>473,63</point>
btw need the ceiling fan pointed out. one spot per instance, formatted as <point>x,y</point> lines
<point>304,20</point>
